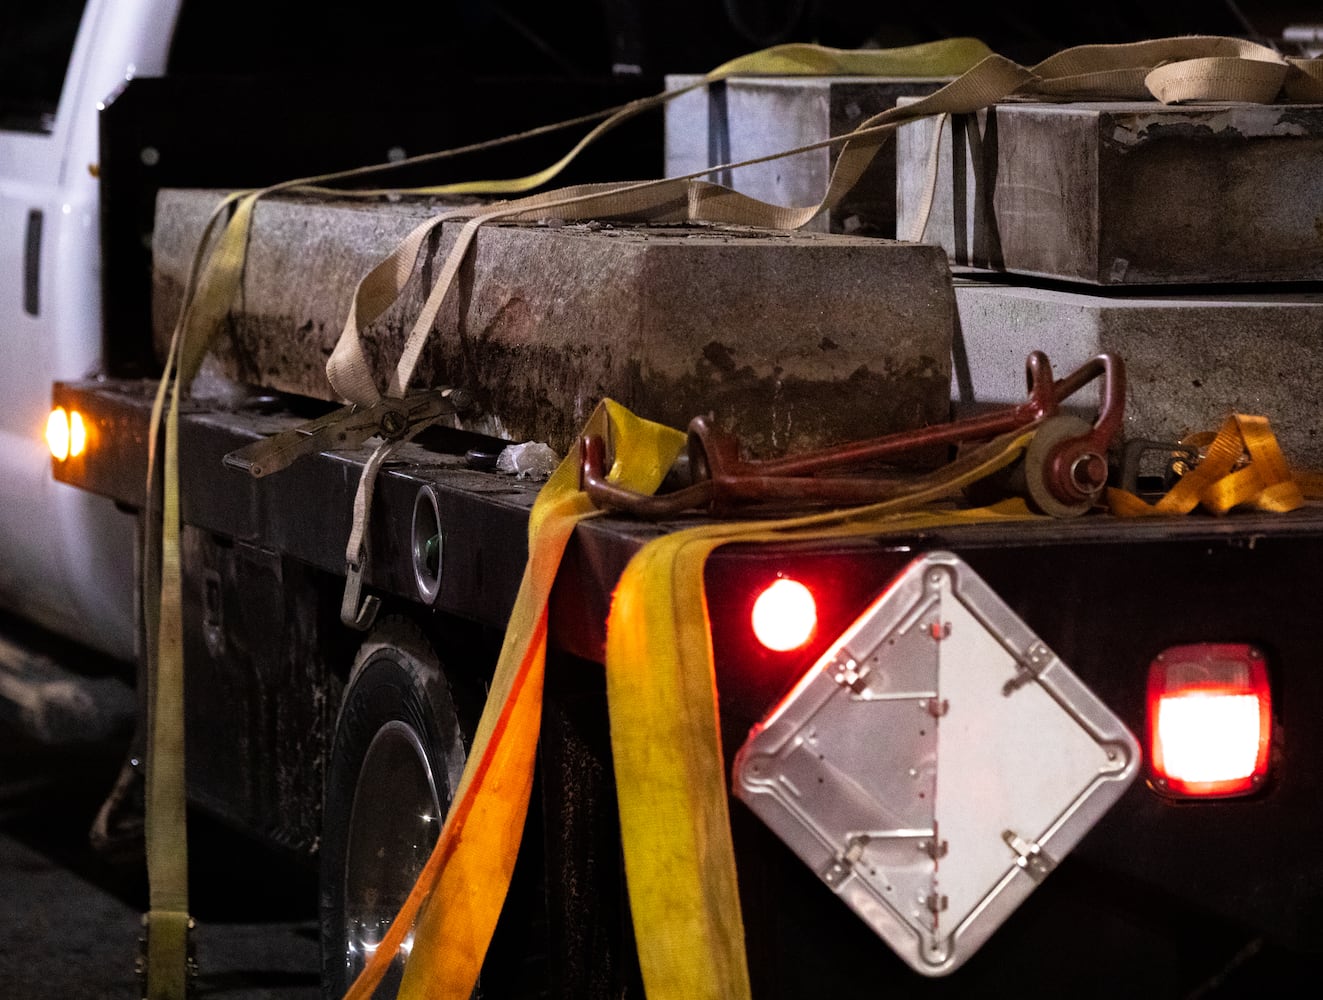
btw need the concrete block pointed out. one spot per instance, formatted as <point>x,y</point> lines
<point>747,117</point>
<point>1125,193</point>
<point>793,340</point>
<point>1191,360</point>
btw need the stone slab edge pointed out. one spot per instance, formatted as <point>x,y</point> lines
<point>793,340</point>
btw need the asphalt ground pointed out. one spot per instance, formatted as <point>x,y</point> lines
<point>70,919</point>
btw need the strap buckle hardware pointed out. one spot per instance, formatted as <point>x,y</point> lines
<point>347,428</point>
<point>156,963</point>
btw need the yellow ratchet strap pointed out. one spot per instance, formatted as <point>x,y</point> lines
<point>1172,69</point>
<point>948,57</point>
<point>669,776</point>
<point>1242,465</point>
<point>665,741</point>
<point>459,894</point>
<point>214,280</point>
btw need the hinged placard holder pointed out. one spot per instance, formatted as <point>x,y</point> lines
<point>936,764</point>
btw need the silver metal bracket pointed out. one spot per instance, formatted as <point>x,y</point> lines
<point>912,832</point>
<point>934,848</point>
<point>1031,858</point>
<point>848,673</point>
<point>140,961</point>
<point>1028,667</point>
<point>843,864</point>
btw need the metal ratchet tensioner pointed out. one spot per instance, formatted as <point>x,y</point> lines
<point>1068,456</point>
<point>348,427</point>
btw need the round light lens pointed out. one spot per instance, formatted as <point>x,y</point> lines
<point>785,615</point>
<point>77,434</point>
<point>57,433</point>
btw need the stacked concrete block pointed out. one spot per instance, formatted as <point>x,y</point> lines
<point>1191,359</point>
<point>1123,193</point>
<point>743,118</point>
<point>792,340</point>
<point>1184,239</point>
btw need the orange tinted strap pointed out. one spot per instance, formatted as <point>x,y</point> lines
<point>1243,466</point>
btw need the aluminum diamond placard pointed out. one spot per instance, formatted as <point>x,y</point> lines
<point>935,764</point>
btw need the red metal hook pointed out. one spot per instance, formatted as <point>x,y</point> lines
<point>721,481</point>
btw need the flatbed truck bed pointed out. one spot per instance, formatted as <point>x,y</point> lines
<point>1197,893</point>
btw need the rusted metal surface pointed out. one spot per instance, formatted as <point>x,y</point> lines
<point>1074,469</point>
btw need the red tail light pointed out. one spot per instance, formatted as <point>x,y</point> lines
<point>1209,720</point>
<point>774,609</point>
<point>785,615</point>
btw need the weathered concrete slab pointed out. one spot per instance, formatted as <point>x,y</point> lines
<point>749,116</point>
<point>1190,360</point>
<point>1125,193</point>
<point>793,340</point>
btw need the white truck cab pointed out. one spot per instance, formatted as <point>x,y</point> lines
<point>66,556</point>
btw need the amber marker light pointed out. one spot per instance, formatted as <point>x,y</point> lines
<point>1209,720</point>
<point>784,615</point>
<point>66,434</point>
<point>58,433</point>
<point>77,434</point>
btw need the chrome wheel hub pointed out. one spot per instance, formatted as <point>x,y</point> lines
<point>395,820</point>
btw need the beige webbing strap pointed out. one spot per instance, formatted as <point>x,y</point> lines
<point>356,611</point>
<point>686,198</point>
<point>165,808</point>
<point>166,831</point>
<point>1177,69</point>
<point>919,225</point>
<point>217,291</point>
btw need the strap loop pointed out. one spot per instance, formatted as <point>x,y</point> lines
<point>1243,465</point>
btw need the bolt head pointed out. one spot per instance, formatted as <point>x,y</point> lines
<point>1089,472</point>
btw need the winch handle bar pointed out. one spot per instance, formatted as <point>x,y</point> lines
<point>1074,473</point>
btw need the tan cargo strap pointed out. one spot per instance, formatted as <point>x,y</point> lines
<point>1173,70</point>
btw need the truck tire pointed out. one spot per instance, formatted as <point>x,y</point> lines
<point>395,761</point>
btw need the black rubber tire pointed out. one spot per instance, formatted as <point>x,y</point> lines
<point>397,698</point>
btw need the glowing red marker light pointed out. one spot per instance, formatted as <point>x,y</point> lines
<point>785,615</point>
